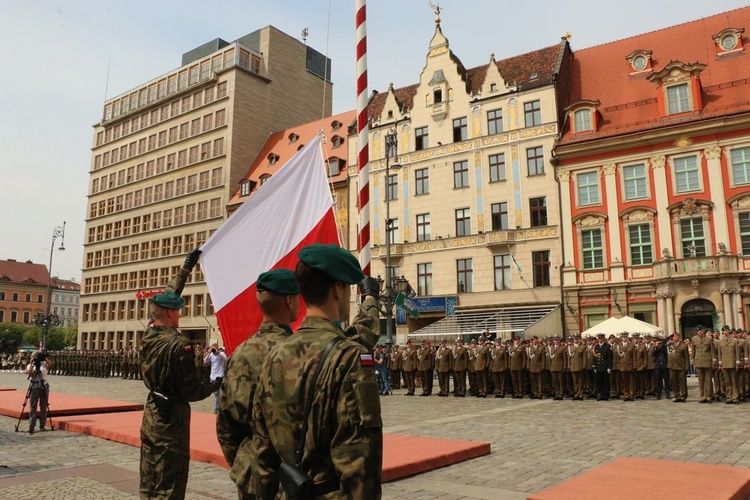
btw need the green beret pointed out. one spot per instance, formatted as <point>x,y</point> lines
<point>168,300</point>
<point>278,281</point>
<point>333,261</point>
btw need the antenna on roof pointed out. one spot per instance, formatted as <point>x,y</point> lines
<point>106,83</point>
<point>305,33</point>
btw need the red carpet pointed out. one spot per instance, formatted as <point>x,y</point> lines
<point>402,455</point>
<point>644,479</point>
<point>63,404</point>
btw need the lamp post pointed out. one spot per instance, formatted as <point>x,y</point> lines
<point>391,149</point>
<point>51,319</point>
<point>388,296</point>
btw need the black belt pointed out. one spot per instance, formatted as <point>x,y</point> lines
<point>327,486</point>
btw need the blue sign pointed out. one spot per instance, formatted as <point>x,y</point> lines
<point>446,305</point>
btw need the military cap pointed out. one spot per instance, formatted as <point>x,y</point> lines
<point>443,341</point>
<point>700,327</point>
<point>725,327</point>
<point>556,337</point>
<point>600,335</point>
<point>408,342</point>
<point>168,300</point>
<point>636,335</point>
<point>648,336</point>
<point>473,341</point>
<point>460,340</point>
<point>422,341</point>
<point>278,281</point>
<point>498,340</point>
<point>333,261</point>
<point>624,334</point>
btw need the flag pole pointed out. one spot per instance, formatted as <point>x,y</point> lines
<point>363,150</point>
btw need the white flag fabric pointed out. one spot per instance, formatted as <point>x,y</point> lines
<point>291,210</point>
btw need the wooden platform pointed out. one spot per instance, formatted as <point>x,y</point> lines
<point>11,403</point>
<point>402,455</point>
<point>646,479</point>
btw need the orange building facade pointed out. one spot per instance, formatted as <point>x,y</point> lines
<point>653,166</point>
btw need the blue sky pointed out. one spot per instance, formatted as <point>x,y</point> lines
<point>56,57</point>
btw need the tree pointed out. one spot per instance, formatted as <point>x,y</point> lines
<point>11,335</point>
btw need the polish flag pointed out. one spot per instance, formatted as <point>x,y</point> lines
<point>291,210</point>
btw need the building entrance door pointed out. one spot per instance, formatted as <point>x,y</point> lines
<point>696,312</point>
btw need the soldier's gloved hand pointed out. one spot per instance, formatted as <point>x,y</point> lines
<point>609,371</point>
<point>216,384</point>
<point>369,286</point>
<point>192,259</point>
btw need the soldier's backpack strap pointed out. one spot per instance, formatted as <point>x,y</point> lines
<point>310,394</point>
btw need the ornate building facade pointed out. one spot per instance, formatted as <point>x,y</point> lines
<point>654,170</point>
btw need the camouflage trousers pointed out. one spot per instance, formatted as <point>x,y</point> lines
<point>165,450</point>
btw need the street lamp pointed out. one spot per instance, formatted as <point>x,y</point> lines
<point>388,296</point>
<point>391,149</point>
<point>51,319</point>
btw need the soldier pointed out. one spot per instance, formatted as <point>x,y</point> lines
<point>517,355</point>
<point>410,366</point>
<point>742,375</point>
<point>460,365</point>
<point>444,365</point>
<point>588,372</point>
<point>650,358</point>
<point>730,360</point>
<point>278,299</point>
<point>345,430</point>
<point>641,360</point>
<point>615,382</point>
<point>471,367</point>
<point>423,366</point>
<point>536,364</point>
<point>430,368</point>
<point>602,367</point>
<point>576,362</point>
<point>481,365</point>
<point>397,362</point>
<point>661,370</point>
<point>498,367</point>
<point>678,363</point>
<point>626,351</point>
<point>172,380</point>
<point>558,363</point>
<point>704,359</point>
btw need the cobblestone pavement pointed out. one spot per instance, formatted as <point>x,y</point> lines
<point>535,444</point>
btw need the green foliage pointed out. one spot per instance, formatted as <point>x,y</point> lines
<point>11,335</point>
<point>71,335</point>
<point>56,337</point>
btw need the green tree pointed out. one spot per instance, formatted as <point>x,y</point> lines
<point>11,335</point>
<point>71,335</point>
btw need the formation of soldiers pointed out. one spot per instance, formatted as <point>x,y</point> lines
<point>15,363</point>
<point>627,367</point>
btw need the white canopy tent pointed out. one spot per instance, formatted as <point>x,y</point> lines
<point>616,326</point>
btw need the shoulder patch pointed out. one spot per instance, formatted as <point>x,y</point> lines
<point>366,359</point>
<point>188,348</point>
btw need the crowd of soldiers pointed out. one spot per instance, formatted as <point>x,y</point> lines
<point>627,367</point>
<point>15,363</point>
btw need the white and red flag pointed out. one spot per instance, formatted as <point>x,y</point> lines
<point>291,210</point>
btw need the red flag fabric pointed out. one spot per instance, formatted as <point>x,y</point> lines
<point>291,210</point>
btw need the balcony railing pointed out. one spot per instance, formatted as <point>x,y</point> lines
<point>697,266</point>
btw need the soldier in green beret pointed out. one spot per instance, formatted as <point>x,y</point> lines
<point>277,294</point>
<point>169,373</point>
<point>344,421</point>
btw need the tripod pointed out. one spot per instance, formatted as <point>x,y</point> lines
<point>40,391</point>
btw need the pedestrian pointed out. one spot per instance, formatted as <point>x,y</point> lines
<point>170,375</point>
<point>339,445</point>
<point>215,358</point>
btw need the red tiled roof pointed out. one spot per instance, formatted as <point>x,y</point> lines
<point>630,104</point>
<point>23,273</point>
<point>516,70</point>
<point>279,144</point>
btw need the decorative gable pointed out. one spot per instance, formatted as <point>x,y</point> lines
<point>493,83</point>
<point>640,62</point>
<point>680,88</point>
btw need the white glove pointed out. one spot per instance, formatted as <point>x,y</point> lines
<point>609,371</point>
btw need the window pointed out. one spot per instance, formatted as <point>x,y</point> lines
<point>461,174</point>
<point>541,264</point>
<point>218,146</point>
<point>463,222</point>
<point>677,98</point>
<point>195,126</point>
<point>741,165</point>
<point>423,227</point>
<point>591,247</point>
<point>693,239</point>
<point>588,188</point>
<point>203,180</point>
<point>535,160</point>
<point>392,183</point>
<point>532,113</point>
<point>333,167</point>
<point>215,207</point>
<point>502,272</point>
<point>499,216</point>
<point>216,177</point>
<point>208,122</point>
<point>460,129</point>
<point>192,183</point>
<point>264,178</point>
<point>641,250</point>
<point>422,180</point>
<point>686,174</point>
<point>634,177</point>
<point>495,121</point>
<point>582,119</point>
<point>464,275</point>
<point>221,90</point>
<point>179,214</point>
<point>392,231</point>
<point>220,117</point>
<point>424,279</point>
<point>745,233</point>
<point>184,130</point>
<point>202,210</point>
<point>422,135</point>
<point>190,213</point>
<point>497,167</point>
<point>538,211</point>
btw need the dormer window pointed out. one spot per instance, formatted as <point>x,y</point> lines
<point>680,87</point>
<point>293,138</point>
<point>583,116</point>
<point>335,125</point>
<point>334,167</point>
<point>582,120</point>
<point>336,141</point>
<point>245,188</point>
<point>677,99</point>
<point>640,61</point>
<point>264,178</point>
<point>493,87</point>
<point>272,159</point>
<point>729,41</point>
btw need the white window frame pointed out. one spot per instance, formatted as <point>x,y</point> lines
<point>625,180</point>
<point>745,161</point>
<point>688,98</point>
<point>584,124</point>
<point>698,164</point>
<point>598,188</point>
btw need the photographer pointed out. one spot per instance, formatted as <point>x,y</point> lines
<point>37,370</point>
<point>216,358</point>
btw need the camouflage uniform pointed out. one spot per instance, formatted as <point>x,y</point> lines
<point>233,424</point>
<point>343,449</point>
<point>168,367</point>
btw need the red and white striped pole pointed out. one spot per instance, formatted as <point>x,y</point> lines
<point>363,149</point>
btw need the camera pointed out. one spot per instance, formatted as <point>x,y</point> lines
<point>213,350</point>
